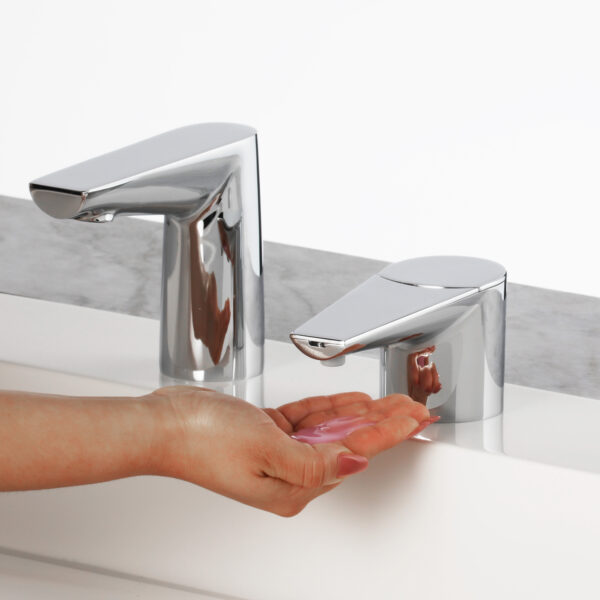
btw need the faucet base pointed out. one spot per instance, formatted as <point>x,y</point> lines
<point>458,373</point>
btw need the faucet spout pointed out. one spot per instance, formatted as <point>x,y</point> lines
<point>204,180</point>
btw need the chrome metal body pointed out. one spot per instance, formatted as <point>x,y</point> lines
<point>204,180</point>
<point>440,324</point>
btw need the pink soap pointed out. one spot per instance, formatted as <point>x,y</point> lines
<point>330,431</point>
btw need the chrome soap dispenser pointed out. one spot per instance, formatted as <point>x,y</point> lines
<point>440,324</point>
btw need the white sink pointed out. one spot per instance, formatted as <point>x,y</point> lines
<point>506,508</point>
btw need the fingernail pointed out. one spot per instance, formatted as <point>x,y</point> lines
<point>348,464</point>
<point>424,424</point>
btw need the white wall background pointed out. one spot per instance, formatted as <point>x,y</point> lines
<point>387,129</point>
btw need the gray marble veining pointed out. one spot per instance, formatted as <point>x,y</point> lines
<point>553,338</point>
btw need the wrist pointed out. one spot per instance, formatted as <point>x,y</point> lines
<point>163,434</point>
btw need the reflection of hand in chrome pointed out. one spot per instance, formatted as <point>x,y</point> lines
<point>423,377</point>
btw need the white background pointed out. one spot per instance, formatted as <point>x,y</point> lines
<point>387,129</point>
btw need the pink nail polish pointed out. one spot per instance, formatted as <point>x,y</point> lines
<point>348,464</point>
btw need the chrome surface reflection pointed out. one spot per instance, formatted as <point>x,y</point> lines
<point>440,324</point>
<point>204,180</point>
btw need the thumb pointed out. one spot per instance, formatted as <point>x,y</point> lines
<point>302,464</point>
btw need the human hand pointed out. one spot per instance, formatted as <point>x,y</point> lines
<point>235,449</point>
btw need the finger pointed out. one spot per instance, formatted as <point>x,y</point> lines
<point>301,464</point>
<point>424,425</point>
<point>371,410</point>
<point>400,405</point>
<point>296,411</point>
<point>280,420</point>
<point>373,439</point>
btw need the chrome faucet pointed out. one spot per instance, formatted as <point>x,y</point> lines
<point>204,180</point>
<point>440,324</point>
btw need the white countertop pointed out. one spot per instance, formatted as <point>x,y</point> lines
<point>472,514</point>
<point>24,578</point>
